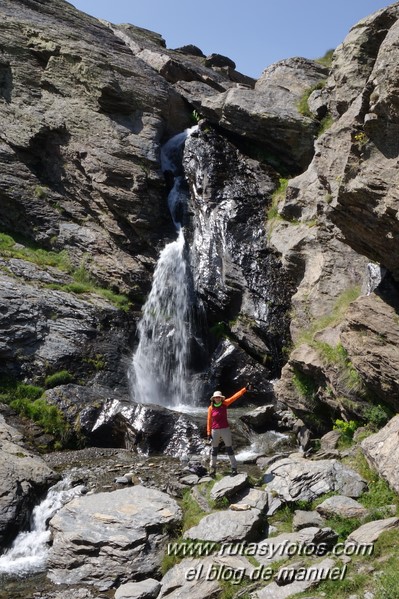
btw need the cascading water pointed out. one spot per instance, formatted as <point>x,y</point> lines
<point>159,370</point>
<point>28,553</point>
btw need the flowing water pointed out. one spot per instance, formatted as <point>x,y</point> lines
<point>28,553</point>
<point>159,371</point>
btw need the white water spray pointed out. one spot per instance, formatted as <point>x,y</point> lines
<point>159,372</point>
<point>28,553</point>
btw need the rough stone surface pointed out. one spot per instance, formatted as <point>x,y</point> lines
<point>295,479</point>
<point>371,337</point>
<point>303,519</point>
<point>369,532</point>
<point>146,589</point>
<point>229,486</point>
<point>133,521</point>
<point>382,452</point>
<point>317,573</point>
<point>269,114</point>
<point>255,498</point>
<point>221,527</point>
<point>229,195</point>
<point>203,579</point>
<point>24,479</point>
<point>344,507</point>
<point>276,548</point>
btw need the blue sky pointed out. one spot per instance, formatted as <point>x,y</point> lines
<point>254,33</point>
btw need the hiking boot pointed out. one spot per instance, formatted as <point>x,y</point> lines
<point>212,472</point>
<point>234,472</point>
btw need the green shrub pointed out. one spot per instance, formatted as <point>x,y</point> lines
<point>346,428</point>
<point>195,117</point>
<point>58,378</point>
<point>40,192</point>
<point>377,416</point>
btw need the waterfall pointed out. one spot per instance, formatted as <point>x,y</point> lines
<point>28,553</point>
<point>159,369</point>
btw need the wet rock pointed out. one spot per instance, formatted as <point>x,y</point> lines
<point>229,195</point>
<point>24,479</point>
<point>108,419</point>
<point>261,419</point>
<point>134,521</point>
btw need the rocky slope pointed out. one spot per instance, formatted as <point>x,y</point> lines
<point>291,229</point>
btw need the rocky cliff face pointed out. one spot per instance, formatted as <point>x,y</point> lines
<point>280,276</point>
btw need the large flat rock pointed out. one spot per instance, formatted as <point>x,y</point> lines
<point>105,538</point>
<point>228,526</point>
<point>298,479</point>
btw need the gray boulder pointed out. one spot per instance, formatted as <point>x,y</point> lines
<point>229,486</point>
<point>295,479</point>
<point>269,114</point>
<point>286,545</point>
<point>146,589</point>
<point>228,526</point>
<point>344,507</point>
<point>199,578</point>
<point>24,479</point>
<point>304,519</point>
<point>133,521</point>
<point>369,532</point>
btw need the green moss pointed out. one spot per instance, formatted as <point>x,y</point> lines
<point>40,192</point>
<point>98,362</point>
<point>58,378</point>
